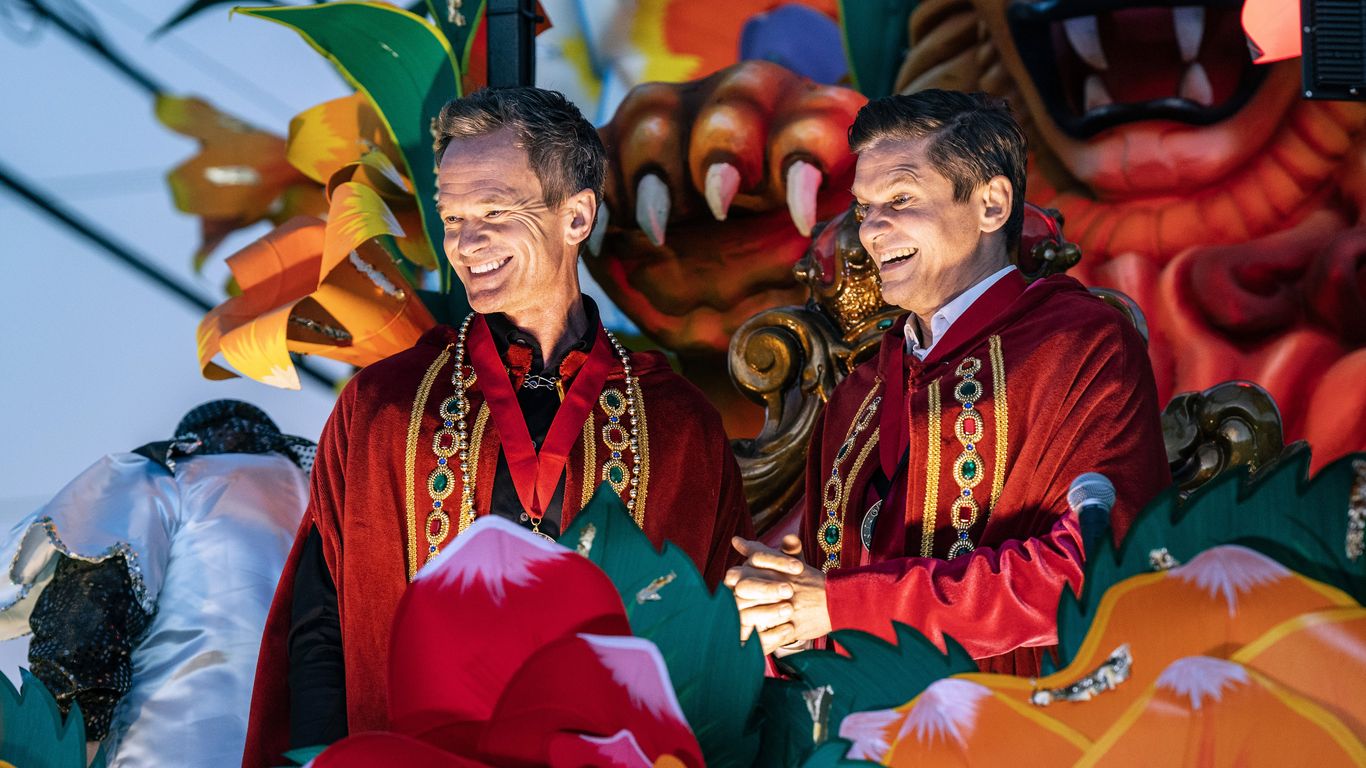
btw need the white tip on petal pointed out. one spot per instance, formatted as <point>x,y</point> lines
<point>1200,677</point>
<point>723,181</point>
<point>803,182</point>
<point>1230,571</point>
<point>947,709</point>
<point>599,230</point>
<point>652,207</point>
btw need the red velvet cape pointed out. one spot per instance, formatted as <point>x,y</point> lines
<point>1080,398</point>
<point>694,498</point>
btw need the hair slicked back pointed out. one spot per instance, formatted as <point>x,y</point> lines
<point>973,138</point>
<point>562,147</point>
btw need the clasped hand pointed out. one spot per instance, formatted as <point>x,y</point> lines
<point>778,594</point>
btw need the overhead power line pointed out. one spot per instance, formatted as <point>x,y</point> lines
<point>85,33</point>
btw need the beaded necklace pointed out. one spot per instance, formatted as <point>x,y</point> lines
<point>452,440</point>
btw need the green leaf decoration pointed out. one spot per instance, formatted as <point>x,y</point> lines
<point>302,755</point>
<point>717,679</point>
<point>1300,523</point>
<point>876,674</point>
<point>402,64</point>
<point>831,755</point>
<point>460,36</point>
<point>791,717</point>
<point>876,38</point>
<point>32,731</point>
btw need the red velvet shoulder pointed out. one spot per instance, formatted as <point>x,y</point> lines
<point>663,388</point>
<point>1065,308</point>
<point>398,375</point>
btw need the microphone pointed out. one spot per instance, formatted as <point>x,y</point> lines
<point>1092,496</point>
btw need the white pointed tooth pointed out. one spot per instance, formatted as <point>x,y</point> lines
<point>599,230</point>
<point>803,182</point>
<point>1095,95</point>
<point>1084,35</point>
<point>723,181</point>
<point>1195,86</point>
<point>1189,21</point>
<point>652,207</point>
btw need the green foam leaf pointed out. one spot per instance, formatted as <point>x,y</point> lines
<point>831,755</point>
<point>717,679</point>
<point>33,733</point>
<point>302,755</point>
<point>876,674</point>
<point>401,63</point>
<point>460,36</point>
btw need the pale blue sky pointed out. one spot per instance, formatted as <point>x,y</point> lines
<point>93,358</point>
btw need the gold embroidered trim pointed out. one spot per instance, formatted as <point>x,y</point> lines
<point>834,506</point>
<point>638,510</point>
<point>931,473</point>
<point>481,420</point>
<point>998,396</point>
<point>590,459</point>
<point>858,467</point>
<point>424,389</point>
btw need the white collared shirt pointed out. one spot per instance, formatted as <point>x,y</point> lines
<point>949,314</point>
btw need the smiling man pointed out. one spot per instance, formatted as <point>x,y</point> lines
<point>521,411</point>
<point>937,481</point>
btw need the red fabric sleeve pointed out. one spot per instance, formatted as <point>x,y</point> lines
<point>1103,417</point>
<point>812,511</point>
<point>732,518</point>
<point>1012,589</point>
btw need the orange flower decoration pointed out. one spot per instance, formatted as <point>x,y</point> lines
<point>1230,660</point>
<point>239,177</point>
<point>306,289</point>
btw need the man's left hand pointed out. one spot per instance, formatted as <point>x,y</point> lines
<point>778,594</point>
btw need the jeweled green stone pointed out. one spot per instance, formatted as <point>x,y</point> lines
<point>616,473</point>
<point>970,389</point>
<point>439,483</point>
<point>884,323</point>
<point>832,534</point>
<point>613,400</point>
<point>969,469</point>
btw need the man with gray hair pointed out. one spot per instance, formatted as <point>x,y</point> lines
<point>520,411</point>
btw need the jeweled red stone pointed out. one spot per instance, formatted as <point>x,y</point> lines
<point>970,426</point>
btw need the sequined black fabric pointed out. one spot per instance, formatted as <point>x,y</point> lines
<point>85,625</point>
<point>228,426</point>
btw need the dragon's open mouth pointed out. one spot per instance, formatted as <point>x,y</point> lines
<point>1102,63</point>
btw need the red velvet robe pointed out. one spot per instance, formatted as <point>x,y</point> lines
<point>1080,397</point>
<point>693,492</point>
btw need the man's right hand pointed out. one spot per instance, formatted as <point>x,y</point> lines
<point>778,594</point>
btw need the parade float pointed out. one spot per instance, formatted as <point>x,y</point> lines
<point>1196,191</point>
<point>1203,186</point>
<point>1228,617</point>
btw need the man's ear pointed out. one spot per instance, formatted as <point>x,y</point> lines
<point>581,208</point>
<point>997,197</point>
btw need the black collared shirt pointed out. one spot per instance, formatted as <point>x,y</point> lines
<point>317,675</point>
<point>539,406</point>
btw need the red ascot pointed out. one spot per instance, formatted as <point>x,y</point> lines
<point>536,474</point>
